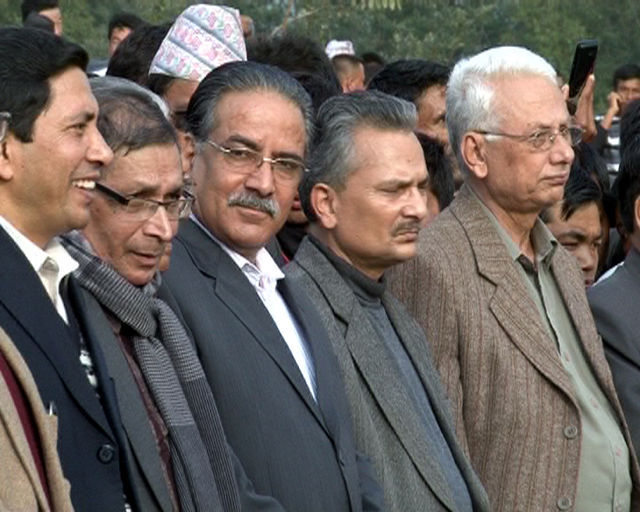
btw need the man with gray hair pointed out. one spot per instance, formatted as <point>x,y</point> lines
<point>173,447</point>
<point>264,350</point>
<point>504,306</point>
<point>365,196</point>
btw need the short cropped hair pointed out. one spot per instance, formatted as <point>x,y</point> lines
<point>470,91</point>
<point>338,119</point>
<point>625,72</point>
<point>124,20</point>
<point>29,58</point>
<point>409,79</point>
<point>626,187</point>
<point>29,6</point>
<point>132,59</point>
<point>130,116</point>
<point>243,76</point>
<point>440,169</point>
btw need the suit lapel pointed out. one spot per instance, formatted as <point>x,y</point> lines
<point>130,408</point>
<point>236,292</point>
<point>37,316</point>
<point>510,303</point>
<point>377,367</point>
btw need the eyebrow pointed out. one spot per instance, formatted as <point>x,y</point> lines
<point>253,145</point>
<point>82,117</point>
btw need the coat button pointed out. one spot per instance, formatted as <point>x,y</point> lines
<point>106,453</point>
<point>564,503</point>
<point>570,432</point>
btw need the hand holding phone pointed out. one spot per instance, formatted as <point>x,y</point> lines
<point>584,60</point>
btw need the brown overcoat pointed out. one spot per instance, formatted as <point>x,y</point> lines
<point>20,485</point>
<point>513,403</point>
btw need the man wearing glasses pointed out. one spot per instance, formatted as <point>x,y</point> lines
<point>262,345</point>
<point>504,306</point>
<point>174,449</point>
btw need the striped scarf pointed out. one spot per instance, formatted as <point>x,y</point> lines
<point>200,458</point>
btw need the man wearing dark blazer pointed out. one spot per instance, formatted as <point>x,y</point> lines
<point>614,299</point>
<point>262,345</point>
<point>366,205</point>
<point>51,156</point>
<point>504,306</point>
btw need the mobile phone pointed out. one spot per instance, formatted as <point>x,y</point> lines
<point>584,60</point>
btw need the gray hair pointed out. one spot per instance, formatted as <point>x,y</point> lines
<point>470,93</point>
<point>339,117</point>
<point>131,117</point>
<point>243,76</point>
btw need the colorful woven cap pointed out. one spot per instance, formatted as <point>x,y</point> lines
<point>201,39</point>
<point>335,48</point>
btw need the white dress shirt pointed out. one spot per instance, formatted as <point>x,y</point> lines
<point>264,276</point>
<point>52,264</point>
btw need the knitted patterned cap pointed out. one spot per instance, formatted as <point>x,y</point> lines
<point>201,39</point>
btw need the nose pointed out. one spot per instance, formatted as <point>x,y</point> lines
<point>261,180</point>
<point>416,205</point>
<point>561,151</point>
<point>588,258</point>
<point>160,226</point>
<point>98,151</point>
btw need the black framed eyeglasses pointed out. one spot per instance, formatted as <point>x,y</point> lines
<point>542,140</point>
<point>246,161</point>
<point>143,209</point>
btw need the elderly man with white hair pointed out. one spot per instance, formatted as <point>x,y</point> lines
<point>507,317</point>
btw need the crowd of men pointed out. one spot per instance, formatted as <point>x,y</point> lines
<point>219,294</point>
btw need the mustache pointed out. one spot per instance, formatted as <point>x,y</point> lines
<point>412,226</point>
<point>251,200</point>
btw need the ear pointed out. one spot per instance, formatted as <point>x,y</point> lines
<point>636,215</point>
<point>473,149</point>
<point>187,151</point>
<point>8,150</point>
<point>324,201</point>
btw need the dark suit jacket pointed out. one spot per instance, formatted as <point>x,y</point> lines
<point>20,486</point>
<point>513,402</point>
<point>386,423</point>
<point>140,453</point>
<point>614,303</point>
<point>87,443</point>
<point>292,448</point>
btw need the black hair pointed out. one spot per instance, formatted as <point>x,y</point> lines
<point>409,79</point>
<point>36,20</point>
<point>124,20</point>
<point>579,190</point>
<point>293,53</point>
<point>629,125</point>
<point>626,187</point>
<point>29,6</point>
<point>439,168</point>
<point>243,76</point>
<point>588,159</point>
<point>625,72</point>
<point>319,88</point>
<point>132,59</point>
<point>28,59</point>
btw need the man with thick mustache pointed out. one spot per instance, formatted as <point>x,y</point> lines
<point>366,198</point>
<point>262,345</point>
<point>171,439</point>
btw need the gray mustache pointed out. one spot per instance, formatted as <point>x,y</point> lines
<point>249,200</point>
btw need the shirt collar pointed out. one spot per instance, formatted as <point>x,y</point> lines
<point>36,256</point>
<point>265,272</point>
<point>543,241</point>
